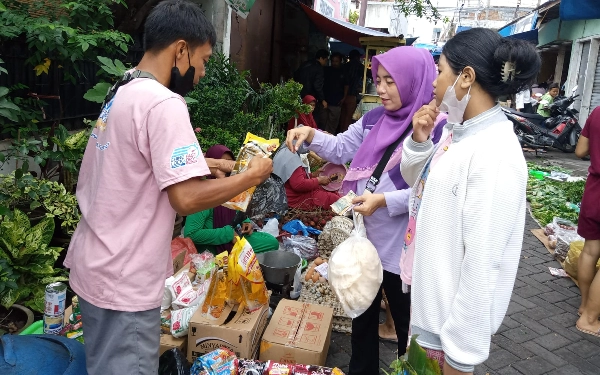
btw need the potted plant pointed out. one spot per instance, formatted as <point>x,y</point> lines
<point>26,249</point>
<point>16,318</point>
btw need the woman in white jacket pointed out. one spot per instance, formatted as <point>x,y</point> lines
<point>467,208</point>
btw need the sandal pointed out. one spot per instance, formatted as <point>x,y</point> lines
<point>597,334</point>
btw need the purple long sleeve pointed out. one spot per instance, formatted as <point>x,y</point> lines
<point>387,226</point>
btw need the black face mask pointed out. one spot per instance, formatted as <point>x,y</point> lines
<point>182,84</point>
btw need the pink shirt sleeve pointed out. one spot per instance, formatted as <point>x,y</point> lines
<point>175,154</point>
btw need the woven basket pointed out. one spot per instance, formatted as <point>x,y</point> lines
<point>315,161</point>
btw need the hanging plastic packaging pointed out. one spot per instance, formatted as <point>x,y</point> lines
<point>254,146</point>
<point>355,271</point>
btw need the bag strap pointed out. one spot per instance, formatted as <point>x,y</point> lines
<point>374,179</point>
<point>127,77</point>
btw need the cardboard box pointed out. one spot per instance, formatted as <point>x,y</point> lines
<point>238,331</point>
<point>178,262</point>
<point>168,342</point>
<point>298,333</point>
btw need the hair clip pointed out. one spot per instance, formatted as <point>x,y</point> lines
<point>508,71</point>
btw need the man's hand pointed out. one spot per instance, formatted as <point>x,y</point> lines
<point>260,167</point>
<point>323,180</point>
<point>342,101</point>
<point>369,203</point>
<point>423,122</point>
<point>299,135</point>
<point>247,228</point>
<point>220,167</point>
<point>324,104</point>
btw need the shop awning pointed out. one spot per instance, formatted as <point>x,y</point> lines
<point>343,31</point>
<point>579,9</point>
<point>530,36</point>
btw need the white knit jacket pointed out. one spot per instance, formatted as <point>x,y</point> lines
<point>468,236</point>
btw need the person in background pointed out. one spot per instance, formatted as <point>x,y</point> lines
<point>143,164</point>
<point>334,94</point>
<point>524,101</point>
<point>404,76</point>
<point>547,99</point>
<point>311,76</point>
<point>589,228</point>
<point>305,119</point>
<point>353,72</point>
<point>213,229</point>
<point>468,206</point>
<point>303,188</point>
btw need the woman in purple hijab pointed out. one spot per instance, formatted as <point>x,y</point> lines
<point>404,77</point>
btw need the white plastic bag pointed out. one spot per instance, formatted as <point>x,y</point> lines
<point>355,271</point>
<point>167,295</point>
<point>271,227</point>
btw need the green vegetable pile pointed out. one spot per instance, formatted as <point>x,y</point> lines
<point>549,198</point>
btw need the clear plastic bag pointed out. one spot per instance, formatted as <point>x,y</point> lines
<point>271,227</point>
<point>355,271</point>
<point>304,247</point>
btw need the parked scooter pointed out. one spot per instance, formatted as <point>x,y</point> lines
<point>560,131</point>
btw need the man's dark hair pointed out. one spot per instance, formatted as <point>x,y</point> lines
<point>338,55</point>
<point>173,20</point>
<point>354,54</point>
<point>322,54</point>
<point>553,85</point>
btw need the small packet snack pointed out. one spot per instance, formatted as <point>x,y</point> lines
<point>218,290</point>
<point>219,362</point>
<point>188,298</point>
<point>180,283</point>
<point>165,321</point>
<point>251,367</point>
<point>254,146</point>
<point>316,370</point>
<point>246,275</point>
<point>202,265</point>
<point>180,321</point>
<point>274,368</point>
<point>167,294</point>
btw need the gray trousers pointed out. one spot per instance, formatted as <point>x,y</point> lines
<point>118,342</point>
<point>330,118</point>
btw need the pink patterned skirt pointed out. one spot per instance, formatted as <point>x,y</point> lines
<point>438,355</point>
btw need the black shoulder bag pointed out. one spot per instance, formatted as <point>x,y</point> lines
<point>374,179</point>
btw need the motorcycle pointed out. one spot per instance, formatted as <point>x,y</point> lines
<point>561,130</point>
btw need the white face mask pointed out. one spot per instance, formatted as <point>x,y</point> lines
<point>454,107</point>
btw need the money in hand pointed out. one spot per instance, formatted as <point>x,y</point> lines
<point>344,204</point>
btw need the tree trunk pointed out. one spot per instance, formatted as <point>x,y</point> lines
<point>363,13</point>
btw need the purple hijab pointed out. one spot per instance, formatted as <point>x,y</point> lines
<point>413,71</point>
<point>221,216</point>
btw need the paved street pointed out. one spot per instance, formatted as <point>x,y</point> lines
<point>538,335</point>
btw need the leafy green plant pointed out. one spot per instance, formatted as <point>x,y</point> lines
<point>30,194</point>
<point>414,362</point>
<point>8,278</point>
<point>227,106</point>
<point>26,249</point>
<point>420,8</point>
<point>114,70</point>
<point>72,32</point>
<point>549,198</point>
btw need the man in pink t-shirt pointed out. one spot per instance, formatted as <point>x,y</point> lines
<point>142,164</point>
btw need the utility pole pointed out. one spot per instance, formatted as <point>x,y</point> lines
<point>363,13</point>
